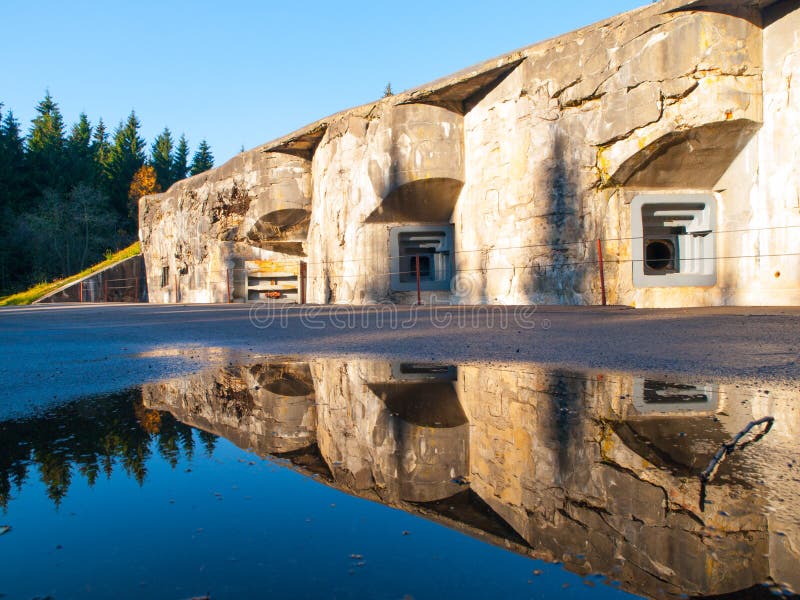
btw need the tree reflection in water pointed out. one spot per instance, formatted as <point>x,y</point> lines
<point>90,437</point>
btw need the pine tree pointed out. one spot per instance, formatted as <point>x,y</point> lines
<point>162,158</point>
<point>80,163</point>
<point>127,155</point>
<point>45,150</point>
<point>180,161</point>
<point>202,160</point>
<point>387,91</point>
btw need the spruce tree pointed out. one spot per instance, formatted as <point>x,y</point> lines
<point>180,161</point>
<point>101,151</point>
<point>14,193</point>
<point>127,155</point>
<point>202,160</point>
<point>162,158</point>
<point>45,151</point>
<point>80,163</point>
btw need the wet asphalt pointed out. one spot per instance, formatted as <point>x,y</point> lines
<point>51,353</point>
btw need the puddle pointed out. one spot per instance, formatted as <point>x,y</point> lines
<point>283,477</point>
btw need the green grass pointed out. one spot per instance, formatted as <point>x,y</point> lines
<point>42,289</point>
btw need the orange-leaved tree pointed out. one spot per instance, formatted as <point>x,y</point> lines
<point>144,182</point>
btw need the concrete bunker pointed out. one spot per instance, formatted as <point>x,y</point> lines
<point>524,161</point>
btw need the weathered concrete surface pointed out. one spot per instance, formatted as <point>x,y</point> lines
<point>531,157</point>
<point>208,225</point>
<point>560,466</point>
<point>124,281</point>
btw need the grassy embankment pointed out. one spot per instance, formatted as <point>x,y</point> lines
<point>42,289</point>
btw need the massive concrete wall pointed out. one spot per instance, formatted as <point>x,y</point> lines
<point>531,158</point>
<point>598,472</point>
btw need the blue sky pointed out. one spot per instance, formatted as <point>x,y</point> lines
<point>242,73</point>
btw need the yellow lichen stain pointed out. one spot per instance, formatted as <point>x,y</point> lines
<point>606,444</point>
<point>603,164</point>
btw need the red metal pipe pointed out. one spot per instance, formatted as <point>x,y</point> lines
<point>419,289</point>
<point>81,291</point>
<point>303,277</point>
<point>602,271</point>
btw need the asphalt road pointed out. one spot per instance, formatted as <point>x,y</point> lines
<point>55,352</point>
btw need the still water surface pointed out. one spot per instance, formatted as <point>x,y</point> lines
<point>371,479</point>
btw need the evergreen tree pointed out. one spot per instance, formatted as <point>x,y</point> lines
<point>180,162</point>
<point>127,155</point>
<point>202,160</point>
<point>13,192</point>
<point>101,151</point>
<point>80,163</point>
<point>15,195</point>
<point>162,159</point>
<point>45,151</point>
<point>387,91</point>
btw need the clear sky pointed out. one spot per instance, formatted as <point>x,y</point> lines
<point>241,73</point>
